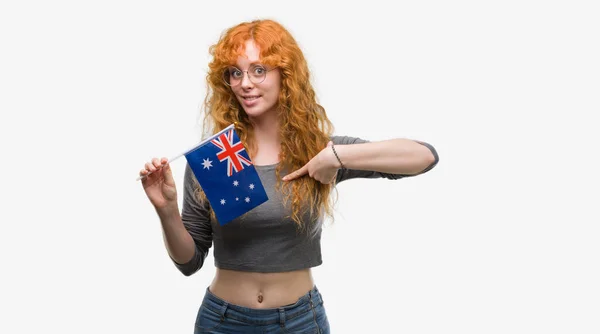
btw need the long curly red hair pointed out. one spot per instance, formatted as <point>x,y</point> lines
<point>304,126</point>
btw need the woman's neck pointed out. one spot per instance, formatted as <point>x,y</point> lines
<point>266,129</point>
<point>266,137</point>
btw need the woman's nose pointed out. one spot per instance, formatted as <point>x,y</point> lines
<point>246,83</point>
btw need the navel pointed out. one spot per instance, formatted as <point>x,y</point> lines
<point>260,297</point>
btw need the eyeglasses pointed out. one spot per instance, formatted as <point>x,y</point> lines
<point>233,76</point>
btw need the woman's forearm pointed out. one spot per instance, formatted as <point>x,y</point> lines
<point>177,239</point>
<point>396,156</point>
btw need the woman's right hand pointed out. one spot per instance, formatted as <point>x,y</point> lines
<point>158,183</point>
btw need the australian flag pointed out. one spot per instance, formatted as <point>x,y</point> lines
<point>227,175</point>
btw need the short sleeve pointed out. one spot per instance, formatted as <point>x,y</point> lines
<point>196,219</point>
<point>347,174</point>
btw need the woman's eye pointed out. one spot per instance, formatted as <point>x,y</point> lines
<point>236,73</point>
<point>259,70</point>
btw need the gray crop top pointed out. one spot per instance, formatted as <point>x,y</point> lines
<point>264,240</point>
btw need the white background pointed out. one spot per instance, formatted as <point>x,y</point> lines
<point>501,237</point>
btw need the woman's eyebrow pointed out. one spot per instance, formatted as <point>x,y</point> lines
<point>252,63</point>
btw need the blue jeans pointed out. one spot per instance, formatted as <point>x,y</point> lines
<point>307,315</point>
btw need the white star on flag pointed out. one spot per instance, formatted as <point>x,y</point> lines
<point>222,202</point>
<point>251,186</point>
<point>247,199</point>
<point>237,198</point>
<point>235,183</point>
<point>207,164</point>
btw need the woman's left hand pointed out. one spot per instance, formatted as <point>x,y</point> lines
<point>323,167</point>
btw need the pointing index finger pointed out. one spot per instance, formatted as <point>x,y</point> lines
<point>296,174</point>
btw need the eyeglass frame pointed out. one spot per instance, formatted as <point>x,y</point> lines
<point>267,70</point>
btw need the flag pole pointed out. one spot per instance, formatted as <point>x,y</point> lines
<point>188,150</point>
<point>168,162</point>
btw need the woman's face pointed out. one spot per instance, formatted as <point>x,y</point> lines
<point>257,99</point>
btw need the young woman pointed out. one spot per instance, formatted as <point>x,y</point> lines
<point>259,81</point>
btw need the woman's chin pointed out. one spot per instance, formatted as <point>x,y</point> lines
<point>255,112</point>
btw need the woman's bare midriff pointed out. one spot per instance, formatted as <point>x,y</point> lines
<point>261,290</point>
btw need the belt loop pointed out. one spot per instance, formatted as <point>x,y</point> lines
<point>223,310</point>
<point>282,317</point>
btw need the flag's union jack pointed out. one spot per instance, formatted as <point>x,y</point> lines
<point>230,151</point>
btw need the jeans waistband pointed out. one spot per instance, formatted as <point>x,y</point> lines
<point>266,316</point>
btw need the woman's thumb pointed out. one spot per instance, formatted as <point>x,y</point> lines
<point>167,172</point>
